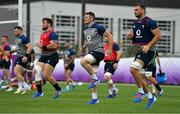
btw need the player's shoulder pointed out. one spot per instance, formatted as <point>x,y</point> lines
<point>98,26</point>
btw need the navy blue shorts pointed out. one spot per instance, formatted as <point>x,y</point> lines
<point>109,67</point>
<point>146,58</point>
<point>152,68</point>
<point>51,59</point>
<point>19,62</point>
<point>98,56</point>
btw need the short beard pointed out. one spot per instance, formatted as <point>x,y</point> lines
<point>44,28</point>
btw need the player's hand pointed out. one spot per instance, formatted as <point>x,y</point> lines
<point>129,34</point>
<point>6,58</point>
<point>66,66</point>
<point>115,65</point>
<point>38,44</point>
<point>145,48</point>
<point>160,71</point>
<point>24,59</point>
<point>82,50</point>
<point>109,52</point>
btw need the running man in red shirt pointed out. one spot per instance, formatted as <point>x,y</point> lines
<point>49,58</point>
<point>111,63</point>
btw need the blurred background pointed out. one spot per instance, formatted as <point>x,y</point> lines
<point>115,15</point>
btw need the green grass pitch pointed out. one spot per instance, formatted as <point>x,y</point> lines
<point>76,102</point>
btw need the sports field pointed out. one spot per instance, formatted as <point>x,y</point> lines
<point>76,102</point>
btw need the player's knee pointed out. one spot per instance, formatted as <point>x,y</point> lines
<point>132,70</point>
<point>107,76</point>
<point>135,67</point>
<point>37,71</point>
<point>83,61</point>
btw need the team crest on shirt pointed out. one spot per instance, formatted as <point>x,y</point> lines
<point>143,26</point>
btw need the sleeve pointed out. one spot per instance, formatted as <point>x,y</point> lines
<point>7,48</point>
<point>101,29</point>
<point>152,24</point>
<point>72,52</point>
<point>25,40</point>
<point>53,36</point>
<point>116,47</point>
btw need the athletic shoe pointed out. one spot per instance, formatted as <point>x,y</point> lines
<point>160,93</point>
<point>138,97</point>
<point>9,89</point>
<point>28,88</point>
<point>4,87</point>
<point>37,94</point>
<point>73,87</point>
<point>115,91</point>
<point>93,101</point>
<point>57,94</point>
<point>150,102</point>
<point>19,90</point>
<point>93,84</point>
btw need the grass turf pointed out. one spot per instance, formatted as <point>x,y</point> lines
<point>76,102</point>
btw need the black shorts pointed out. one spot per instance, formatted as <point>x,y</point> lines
<point>51,59</point>
<point>19,62</point>
<point>109,67</point>
<point>146,58</point>
<point>71,67</point>
<point>152,68</point>
<point>5,64</point>
<point>28,66</point>
<point>98,56</point>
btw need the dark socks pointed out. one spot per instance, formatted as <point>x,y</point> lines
<point>158,87</point>
<point>39,86</point>
<point>56,86</point>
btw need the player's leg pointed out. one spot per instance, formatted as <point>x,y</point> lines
<point>68,79</point>
<point>109,71</point>
<point>86,63</point>
<point>135,71</point>
<point>47,72</point>
<point>22,85</point>
<point>38,68</point>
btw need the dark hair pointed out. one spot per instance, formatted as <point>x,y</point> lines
<point>141,6</point>
<point>91,14</point>
<point>18,27</point>
<point>48,20</point>
<point>5,37</point>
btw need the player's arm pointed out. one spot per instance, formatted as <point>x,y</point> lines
<point>53,45</point>
<point>84,46</point>
<point>130,34</point>
<point>29,48</point>
<point>157,36</point>
<point>119,55</point>
<point>110,41</point>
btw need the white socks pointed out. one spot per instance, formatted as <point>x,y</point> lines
<point>94,77</point>
<point>140,90</point>
<point>149,95</point>
<point>94,95</point>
